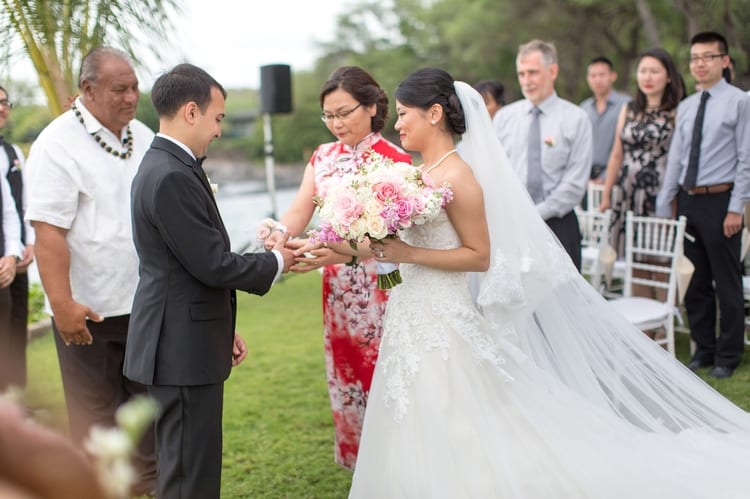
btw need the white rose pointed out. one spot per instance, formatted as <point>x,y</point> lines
<point>358,229</point>
<point>376,228</point>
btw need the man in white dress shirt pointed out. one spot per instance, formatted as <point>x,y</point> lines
<point>79,173</point>
<point>10,254</point>
<point>14,298</point>
<point>548,141</point>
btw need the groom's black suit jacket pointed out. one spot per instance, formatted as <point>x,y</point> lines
<point>182,324</point>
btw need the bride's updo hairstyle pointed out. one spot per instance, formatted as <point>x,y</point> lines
<point>363,87</point>
<point>428,86</point>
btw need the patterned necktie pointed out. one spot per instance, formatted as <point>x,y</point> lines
<point>534,173</point>
<point>691,176</point>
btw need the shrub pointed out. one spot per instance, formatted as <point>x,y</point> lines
<point>36,303</point>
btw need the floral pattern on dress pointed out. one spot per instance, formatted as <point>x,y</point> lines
<point>353,307</point>
<point>645,144</point>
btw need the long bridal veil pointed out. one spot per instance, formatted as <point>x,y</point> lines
<point>534,298</point>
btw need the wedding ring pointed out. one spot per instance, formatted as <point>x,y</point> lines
<point>380,255</point>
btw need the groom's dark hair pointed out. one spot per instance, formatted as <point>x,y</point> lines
<point>182,84</point>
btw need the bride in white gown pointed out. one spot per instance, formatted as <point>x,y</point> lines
<point>539,391</point>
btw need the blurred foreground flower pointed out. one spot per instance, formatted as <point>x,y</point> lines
<point>112,448</point>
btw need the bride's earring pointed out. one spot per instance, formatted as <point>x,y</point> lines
<point>433,122</point>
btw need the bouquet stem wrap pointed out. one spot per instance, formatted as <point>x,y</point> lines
<point>388,275</point>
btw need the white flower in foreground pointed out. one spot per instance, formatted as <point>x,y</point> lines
<point>108,444</point>
<point>118,478</point>
<point>111,448</point>
<point>135,416</point>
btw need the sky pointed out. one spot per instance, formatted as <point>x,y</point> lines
<point>231,39</point>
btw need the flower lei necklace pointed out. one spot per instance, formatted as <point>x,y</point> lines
<point>105,146</point>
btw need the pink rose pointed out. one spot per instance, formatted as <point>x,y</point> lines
<point>347,208</point>
<point>263,232</point>
<point>404,208</point>
<point>386,190</point>
<point>417,204</point>
<point>343,202</point>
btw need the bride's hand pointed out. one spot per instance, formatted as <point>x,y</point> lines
<point>392,250</point>
<point>311,255</point>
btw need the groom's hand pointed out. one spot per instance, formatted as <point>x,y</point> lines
<point>286,253</point>
<point>239,350</point>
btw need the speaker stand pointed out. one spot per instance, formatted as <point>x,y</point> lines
<point>270,176</point>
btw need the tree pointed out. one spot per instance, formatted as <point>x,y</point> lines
<point>476,39</point>
<point>57,34</point>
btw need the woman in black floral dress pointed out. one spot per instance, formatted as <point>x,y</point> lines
<point>644,130</point>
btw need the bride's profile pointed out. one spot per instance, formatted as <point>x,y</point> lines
<point>531,387</point>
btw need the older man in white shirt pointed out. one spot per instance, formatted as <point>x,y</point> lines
<point>549,143</point>
<point>79,173</point>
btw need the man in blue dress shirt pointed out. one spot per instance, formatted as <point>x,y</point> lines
<point>711,195</point>
<point>549,143</point>
<point>603,108</point>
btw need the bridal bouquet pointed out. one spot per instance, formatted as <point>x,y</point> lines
<point>380,199</point>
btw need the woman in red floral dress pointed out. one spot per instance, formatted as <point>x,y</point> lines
<point>354,110</point>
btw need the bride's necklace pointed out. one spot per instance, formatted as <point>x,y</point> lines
<point>442,158</point>
<point>105,146</point>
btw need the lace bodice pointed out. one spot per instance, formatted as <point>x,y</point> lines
<point>437,234</point>
<point>431,310</point>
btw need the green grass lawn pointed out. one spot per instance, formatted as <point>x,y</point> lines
<point>278,436</point>
<point>278,433</point>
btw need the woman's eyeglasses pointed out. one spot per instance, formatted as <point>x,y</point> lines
<point>341,115</point>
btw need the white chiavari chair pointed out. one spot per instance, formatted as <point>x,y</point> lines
<point>653,245</point>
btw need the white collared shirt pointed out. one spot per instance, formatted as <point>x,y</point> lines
<point>11,224</point>
<point>74,184</point>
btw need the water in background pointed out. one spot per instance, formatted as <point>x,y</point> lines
<point>242,205</point>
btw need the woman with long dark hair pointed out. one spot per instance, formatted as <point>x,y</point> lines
<point>635,170</point>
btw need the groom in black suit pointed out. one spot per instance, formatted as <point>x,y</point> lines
<point>182,343</point>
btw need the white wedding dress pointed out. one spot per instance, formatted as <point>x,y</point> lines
<point>540,391</point>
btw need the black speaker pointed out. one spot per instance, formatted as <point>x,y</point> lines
<point>275,89</point>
